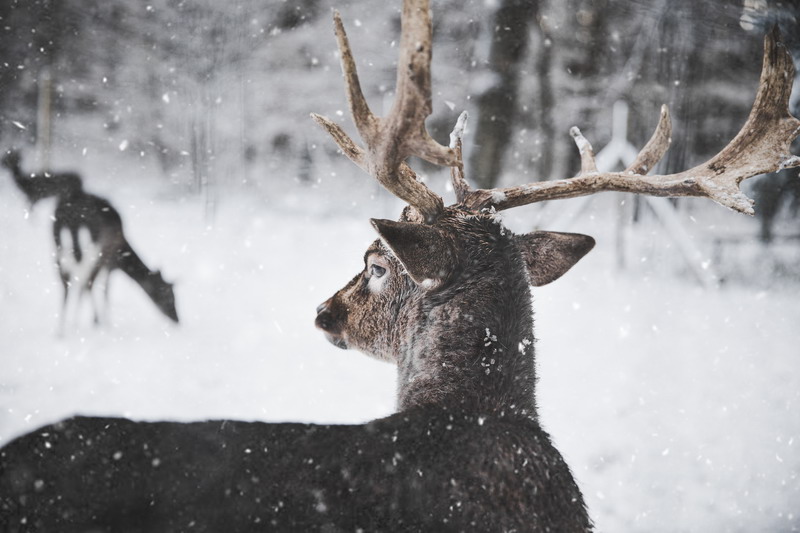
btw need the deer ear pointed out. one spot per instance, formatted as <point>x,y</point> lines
<point>548,255</point>
<point>424,251</point>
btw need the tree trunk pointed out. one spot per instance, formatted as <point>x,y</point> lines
<point>497,106</point>
<point>545,103</point>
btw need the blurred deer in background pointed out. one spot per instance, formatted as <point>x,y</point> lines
<point>445,294</point>
<point>40,185</point>
<point>90,244</point>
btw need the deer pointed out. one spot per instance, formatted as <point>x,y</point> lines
<point>445,294</point>
<point>41,185</point>
<point>90,244</point>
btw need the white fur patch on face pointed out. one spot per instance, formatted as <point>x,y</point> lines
<point>378,271</point>
<point>375,285</point>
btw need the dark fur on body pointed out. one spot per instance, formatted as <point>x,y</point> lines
<point>425,469</point>
<point>456,347</point>
<point>465,452</point>
<point>450,304</point>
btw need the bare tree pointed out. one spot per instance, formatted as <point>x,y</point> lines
<point>497,103</point>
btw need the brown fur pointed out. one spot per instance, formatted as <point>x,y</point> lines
<point>461,331</point>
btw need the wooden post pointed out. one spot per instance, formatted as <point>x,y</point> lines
<point>44,124</point>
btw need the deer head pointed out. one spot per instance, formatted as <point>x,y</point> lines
<point>11,159</point>
<point>444,292</point>
<point>161,293</point>
<point>449,303</point>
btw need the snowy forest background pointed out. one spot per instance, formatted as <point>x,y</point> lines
<point>668,358</point>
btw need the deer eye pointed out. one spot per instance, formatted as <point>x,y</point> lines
<point>376,271</point>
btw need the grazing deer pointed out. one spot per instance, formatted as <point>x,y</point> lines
<point>445,294</point>
<point>90,244</point>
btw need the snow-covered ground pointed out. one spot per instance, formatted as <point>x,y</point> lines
<point>677,407</point>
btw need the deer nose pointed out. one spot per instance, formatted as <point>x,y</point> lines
<point>331,321</point>
<point>325,320</point>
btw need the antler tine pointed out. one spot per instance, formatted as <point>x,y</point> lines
<point>655,148</point>
<point>354,152</point>
<point>414,85</point>
<point>460,185</point>
<point>761,146</point>
<point>588,165</point>
<point>359,109</point>
<point>391,139</point>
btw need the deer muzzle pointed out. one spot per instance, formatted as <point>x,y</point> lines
<point>330,323</point>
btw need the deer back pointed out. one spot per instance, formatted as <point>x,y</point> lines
<point>418,470</point>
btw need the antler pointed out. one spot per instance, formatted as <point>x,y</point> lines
<point>761,146</point>
<point>391,139</point>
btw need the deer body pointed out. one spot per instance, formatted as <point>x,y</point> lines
<point>87,223</point>
<point>424,469</point>
<point>90,243</point>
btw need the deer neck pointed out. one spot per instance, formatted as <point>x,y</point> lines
<point>19,177</point>
<point>132,265</point>
<point>471,346</point>
<point>16,172</point>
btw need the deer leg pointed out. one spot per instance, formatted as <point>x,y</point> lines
<point>65,261</point>
<point>71,306</point>
<point>90,288</point>
<point>63,314</point>
<point>92,282</point>
<point>106,305</point>
<point>87,267</point>
<point>98,290</point>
